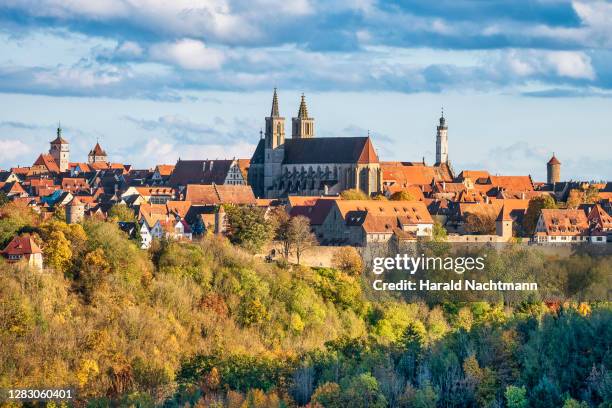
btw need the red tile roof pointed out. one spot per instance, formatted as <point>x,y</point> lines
<point>47,161</point>
<point>565,222</point>
<point>212,194</point>
<point>22,245</point>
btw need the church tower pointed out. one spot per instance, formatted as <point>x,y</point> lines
<point>553,170</point>
<point>274,152</point>
<point>302,126</point>
<point>275,126</point>
<point>442,142</point>
<point>60,150</point>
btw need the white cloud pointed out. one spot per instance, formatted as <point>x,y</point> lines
<point>572,64</point>
<point>9,149</point>
<point>189,54</point>
<point>79,76</point>
<point>569,64</point>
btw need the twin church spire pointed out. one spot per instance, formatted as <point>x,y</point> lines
<point>302,126</point>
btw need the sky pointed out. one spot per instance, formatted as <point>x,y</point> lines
<point>154,80</point>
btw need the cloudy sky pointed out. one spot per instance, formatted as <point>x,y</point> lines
<point>156,80</point>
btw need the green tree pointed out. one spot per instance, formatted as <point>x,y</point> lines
<point>439,233</point>
<point>121,212</point>
<point>363,392</point>
<point>516,397</point>
<point>248,227</point>
<point>328,395</point>
<point>3,198</point>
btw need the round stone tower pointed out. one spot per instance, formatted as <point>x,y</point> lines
<point>553,170</point>
<point>75,211</point>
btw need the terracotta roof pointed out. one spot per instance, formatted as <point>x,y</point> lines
<point>212,194</point>
<point>554,160</point>
<point>154,191</point>
<point>13,188</point>
<point>97,150</point>
<point>74,183</point>
<point>565,222</point>
<point>473,175</point>
<point>415,191</point>
<point>329,150</point>
<point>408,212</point>
<point>22,245</point>
<point>504,214</point>
<point>83,166</point>
<point>406,174</point>
<point>296,200</point>
<point>180,208</point>
<point>600,219</point>
<point>164,169</point>
<point>244,164</point>
<point>20,170</point>
<point>512,183</point>
<point>47,161</point>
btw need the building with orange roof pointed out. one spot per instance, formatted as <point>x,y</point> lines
<point>75,184</point>
<point>213,194</point>
<point>562,226</point>
<point>44,164</point>
<point>97,155</point>
<point>361,222</point>
<point>23,248</point>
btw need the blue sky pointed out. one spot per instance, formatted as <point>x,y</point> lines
<point>155,80</point>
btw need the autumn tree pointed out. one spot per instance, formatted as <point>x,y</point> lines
<point>535,207</point>
<point>482,222</point>
<point>574,199</point>
<point>281,234</point>
<point>58,254</point>
<point>348,260</point>
<point>300,236</point>
<point>401,196</point>
<point>93,271</point>
<point>121,212</point>
<point>354,194</point>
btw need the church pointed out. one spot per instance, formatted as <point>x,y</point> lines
<point>306,165</point>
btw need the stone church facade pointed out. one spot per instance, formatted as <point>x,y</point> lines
<point>305,165</point>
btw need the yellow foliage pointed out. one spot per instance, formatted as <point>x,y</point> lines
<point>88,369</point>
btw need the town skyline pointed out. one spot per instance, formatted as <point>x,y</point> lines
<point>235,144</point>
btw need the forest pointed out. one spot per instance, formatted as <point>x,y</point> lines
<point>207,324</point>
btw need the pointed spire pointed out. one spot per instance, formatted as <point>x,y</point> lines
<point>303,111</point>
<point>59,129</point>
<point>261,133</point>
<point>274,113</point>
